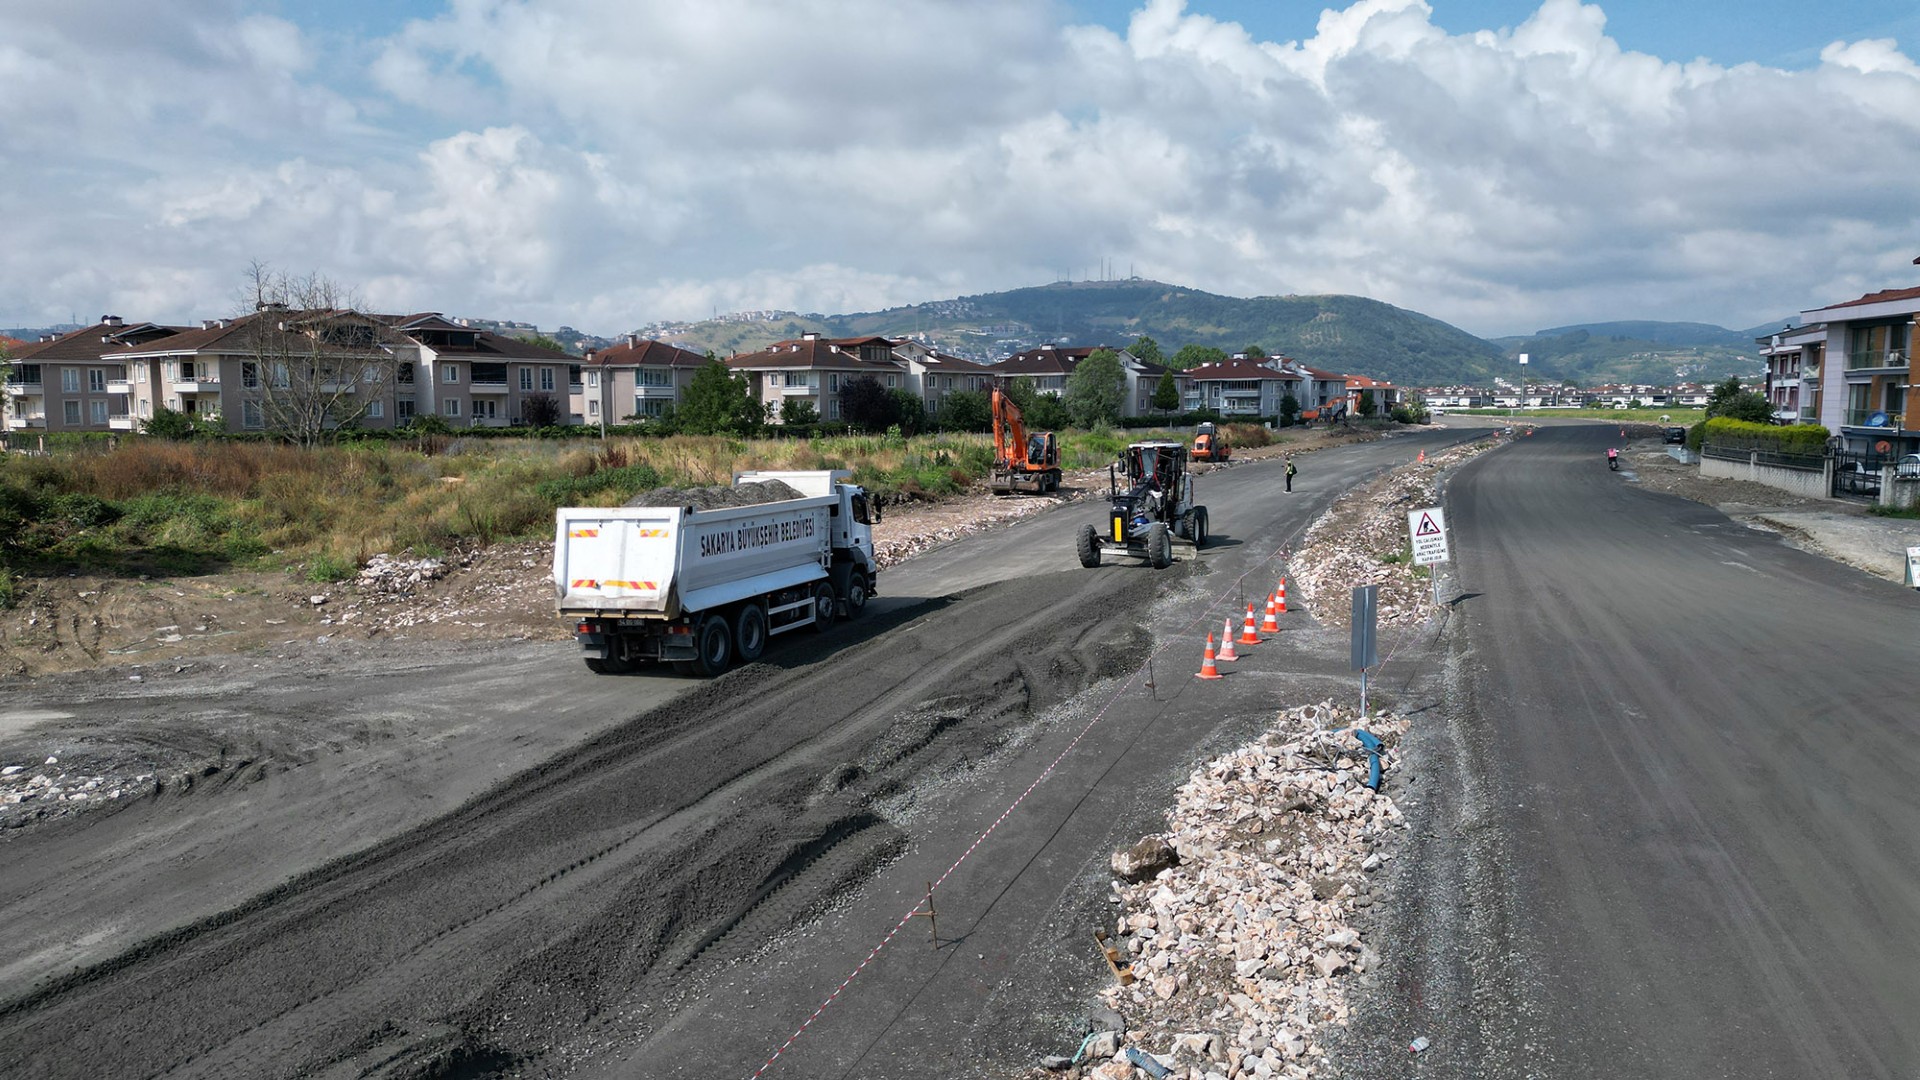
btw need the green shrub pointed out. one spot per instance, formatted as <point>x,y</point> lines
<point>83,511</point>
<point>327,566</point>
<point>9,592</point>
<point>628,480</point>
<point>1809,439</point>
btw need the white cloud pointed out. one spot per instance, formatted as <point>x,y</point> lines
<point>606,162</point>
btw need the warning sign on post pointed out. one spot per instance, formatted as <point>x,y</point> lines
<point>1429,531</point>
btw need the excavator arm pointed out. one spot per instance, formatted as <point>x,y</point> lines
<point>1020,458</point>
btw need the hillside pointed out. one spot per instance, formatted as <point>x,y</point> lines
<point>1635,352</point>
<point>1339,333</point>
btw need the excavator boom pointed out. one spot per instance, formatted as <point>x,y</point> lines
<point>1021,462</point>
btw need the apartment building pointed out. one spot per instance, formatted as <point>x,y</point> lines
<point>935,376</point>
<point>814,369</point>
<point>636,379</point>
<point>75,381</point>
<point>1048,367</point>
<point>1864,368</point>
<point>477,378</point>
<point>1238,388</point>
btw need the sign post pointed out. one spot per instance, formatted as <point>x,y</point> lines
<point>1428,528</point>
<point>1366,651</point>
<point>1913,567</point>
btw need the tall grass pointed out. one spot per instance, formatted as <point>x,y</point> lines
<point>186,507</point>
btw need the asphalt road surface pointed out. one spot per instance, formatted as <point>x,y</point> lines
<point>1676,829</point>
<point>675,895</point>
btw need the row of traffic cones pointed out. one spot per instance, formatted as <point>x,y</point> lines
<point>1249,634</point>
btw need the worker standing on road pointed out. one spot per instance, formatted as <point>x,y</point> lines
<point>1290,471</point>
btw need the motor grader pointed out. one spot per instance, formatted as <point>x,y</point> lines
<point>1150,508</point>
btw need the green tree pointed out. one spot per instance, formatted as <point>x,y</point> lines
<point>866,405</point>
<point>1366,405</point>
<point>1096,389</point>
<point>798,411</point>
<point>966,410</point>
<point>540,410</point>
<point>1731,400</point>
<point>1146,350</point>
<point>719,402</point>
<point>543,341</point>
<point>1255,353</point>
<point>168,423</point>
<point>909,412</point>
<point>1289,411</point>
<point>1192,356</point>
<point>1166,396</point>
<point>316,364</point>
<point>1047,414</point>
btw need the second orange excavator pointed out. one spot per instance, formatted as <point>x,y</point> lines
<point>1021,462</point>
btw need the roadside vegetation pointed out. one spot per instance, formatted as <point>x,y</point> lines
<point>200,506</point>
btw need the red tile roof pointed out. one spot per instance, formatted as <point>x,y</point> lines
<point>1238,370</point>
<point>645,352</point>
<point>809,353</point>
<point>1881,297</point>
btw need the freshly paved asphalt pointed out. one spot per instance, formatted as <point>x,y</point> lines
<point>1672,827</point>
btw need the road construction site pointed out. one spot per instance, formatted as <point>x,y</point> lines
<point>456,859</point>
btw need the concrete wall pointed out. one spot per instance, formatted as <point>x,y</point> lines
<point>1811,483</point>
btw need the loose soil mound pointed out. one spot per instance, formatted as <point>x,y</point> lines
<point>719,496</point>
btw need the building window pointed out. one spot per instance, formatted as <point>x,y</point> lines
<point>250,375</point>
<point>97,380</point>
<point>593,406</point>
<point>526,378</point>
<point>450,374</point>
<point>486,410</point>
<point>99,411</point>
<point>893,380</point>
<point>773,378</point>
<point>250,415</point>
<point>376,410</point>
<point>451,406</point>
<point>403,410</point>
<point>70,382</point>
<point>833,408</point>
<point>833,380</point>
<point>593,380</point>
<point>654,377</point>
<point>70,412</point>
<point>546,379</point>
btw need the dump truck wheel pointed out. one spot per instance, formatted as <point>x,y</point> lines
<point>1199,527</point>
<point>1089,544</point>
<point>825,606</point>
<point>851,585</point>
<point>1159,546</point>
<point>750,633</point>
<point>714,638</point>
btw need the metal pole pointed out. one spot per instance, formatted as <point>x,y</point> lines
<point>1363,693</point>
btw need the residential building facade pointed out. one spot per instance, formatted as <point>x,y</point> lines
<point>1866,371</point>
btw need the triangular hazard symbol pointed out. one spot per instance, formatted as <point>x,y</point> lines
<point>1427,527</point>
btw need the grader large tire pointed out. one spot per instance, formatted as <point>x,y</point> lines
<point>1199,536</point>
<point>1159,546</point>
<point>1088,542</point>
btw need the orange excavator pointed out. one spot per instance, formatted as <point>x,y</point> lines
<point>1021,462</point>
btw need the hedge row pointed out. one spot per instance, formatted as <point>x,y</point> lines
<point>1733,434</point>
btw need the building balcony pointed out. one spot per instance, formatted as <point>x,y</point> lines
<point>1889,360</point>
<point>1873,419</point>
<point>24,389</point>
<point>119,386</point>
<point>347,386</point>
<point>121,422</point>
<point>33,422</point>
<point>798,391</point>
<point>487,388</point>
<point>655,393</point>
<point>196,386</point>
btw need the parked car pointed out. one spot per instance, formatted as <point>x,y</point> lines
<point>1676,435</point>
<point>1908,467</point>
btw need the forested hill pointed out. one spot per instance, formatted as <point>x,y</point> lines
<point>1337,333</point>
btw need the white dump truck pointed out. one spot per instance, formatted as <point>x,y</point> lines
<point>701,589</point>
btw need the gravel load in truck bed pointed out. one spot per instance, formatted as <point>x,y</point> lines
<point>718,496</point>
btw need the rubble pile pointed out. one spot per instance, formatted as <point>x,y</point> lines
<point>1241,938</point>
<point>501,584</point>
<point>1362,540</point>
<point>752,493</point>
<point>32,792</point>
<point>387,578</point>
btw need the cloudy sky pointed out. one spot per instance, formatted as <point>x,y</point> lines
<point>1498,164</point>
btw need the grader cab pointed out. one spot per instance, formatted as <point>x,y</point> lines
<point>1150,509</point>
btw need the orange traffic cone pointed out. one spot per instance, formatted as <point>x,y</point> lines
<point>1423,455</point>
<point>1270,623</point>
<point>1248,635</point>
<point>1226,644</point>
<point>1207,668</point>
<point>1283,596</point>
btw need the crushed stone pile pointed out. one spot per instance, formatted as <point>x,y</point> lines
<point>895,544</point>
<point>1241,935</point>
<point>718,496</point>
<point>1362,540</point>
<point>35,792</point>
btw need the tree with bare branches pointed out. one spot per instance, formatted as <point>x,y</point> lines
<point>314,363</point>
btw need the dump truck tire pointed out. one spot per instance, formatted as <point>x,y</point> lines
<point>1159,546</point>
